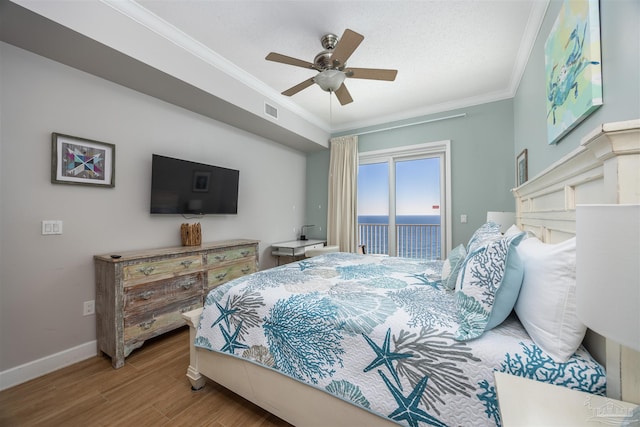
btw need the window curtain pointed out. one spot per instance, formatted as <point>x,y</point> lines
<point>342,215</point>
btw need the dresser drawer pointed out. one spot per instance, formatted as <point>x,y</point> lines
<point>162,292</point>
<point>230,255</point>
<point>220,275</point>
<point>158,269</point>
<point>143,325</point>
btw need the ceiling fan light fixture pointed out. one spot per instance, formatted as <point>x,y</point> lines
<point>330,80</point>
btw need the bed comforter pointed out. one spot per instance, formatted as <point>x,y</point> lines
<point>378,332</point>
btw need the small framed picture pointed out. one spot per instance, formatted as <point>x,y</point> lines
<point>522,172</point>
<point>201,181</point>
<point>82,161</point>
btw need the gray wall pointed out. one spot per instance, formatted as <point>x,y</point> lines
<point>620,41</point>
<point>45,279</point>
<point>482,167</point>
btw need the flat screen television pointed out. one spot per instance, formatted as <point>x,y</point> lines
<point>184,187</point>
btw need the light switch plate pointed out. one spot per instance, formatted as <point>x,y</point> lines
<point>51,227</point>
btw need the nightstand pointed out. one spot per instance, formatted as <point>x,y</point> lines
<point>525,402</point>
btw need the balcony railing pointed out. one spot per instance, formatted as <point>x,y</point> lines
<point>421,241</point>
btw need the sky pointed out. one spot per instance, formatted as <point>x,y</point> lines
<point>417,188</point>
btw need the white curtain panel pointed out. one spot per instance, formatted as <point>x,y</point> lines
<point>342,214</point>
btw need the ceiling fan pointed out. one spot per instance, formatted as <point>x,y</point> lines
<point>332,66</point>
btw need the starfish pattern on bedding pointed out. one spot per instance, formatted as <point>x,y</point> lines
<point>384,356</point>
<point>224,314</point>
<point>231,343</point>
<point>408,409</point>
<point>304,265</point>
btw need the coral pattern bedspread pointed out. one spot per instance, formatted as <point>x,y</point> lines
<point>378,332</point>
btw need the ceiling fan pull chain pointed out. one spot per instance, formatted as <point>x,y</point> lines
<point>330,112</point>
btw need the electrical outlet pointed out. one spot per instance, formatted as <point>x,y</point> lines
<point>89,308</point>
<point>463,218</point>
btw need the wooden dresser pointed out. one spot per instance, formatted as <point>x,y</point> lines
<point>142,294</point>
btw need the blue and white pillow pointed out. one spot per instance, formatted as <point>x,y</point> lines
<point>489,284</point>
<point>452,266</point>
<point>487,232</point>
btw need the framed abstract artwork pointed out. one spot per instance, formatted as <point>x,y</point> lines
<point>82,161</point>
<point>573,67</point>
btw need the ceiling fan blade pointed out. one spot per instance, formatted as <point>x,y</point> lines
<point>371,73</point>
<point>297,88</point>
<point>277,57</point>
<point>343,95</point>
<point>347,44</point>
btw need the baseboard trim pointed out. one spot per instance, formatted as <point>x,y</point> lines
<point>45,365</point>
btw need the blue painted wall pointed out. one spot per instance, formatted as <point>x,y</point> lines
<point>482,169</point>
<point>620,51</point>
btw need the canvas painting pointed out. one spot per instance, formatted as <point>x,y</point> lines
<point>573,67</point>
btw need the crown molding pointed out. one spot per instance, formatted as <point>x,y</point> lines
<point>164,29</point>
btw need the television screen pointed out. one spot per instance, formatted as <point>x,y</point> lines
<point>184,187</point>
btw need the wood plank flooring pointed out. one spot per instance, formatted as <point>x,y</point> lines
<point>150,390</point>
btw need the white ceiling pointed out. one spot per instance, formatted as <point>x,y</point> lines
<point>449,54</point>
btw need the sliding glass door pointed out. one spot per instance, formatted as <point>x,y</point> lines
<point>401,202</point>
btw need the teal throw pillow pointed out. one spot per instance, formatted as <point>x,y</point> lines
<point>452,266</point>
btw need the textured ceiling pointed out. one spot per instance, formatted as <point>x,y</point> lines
<point>449,54</point>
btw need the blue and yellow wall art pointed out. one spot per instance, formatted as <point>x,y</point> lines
<point>573,67</point>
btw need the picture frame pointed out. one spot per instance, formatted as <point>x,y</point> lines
<point>573,67</point>
<point>80,161</point>
<point>201,181</point>
<point>522,168</point>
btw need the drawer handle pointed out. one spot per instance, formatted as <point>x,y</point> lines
<point>221,257</point>
<point>146,295</point>
<point>147,325</point>
<point>188,285</point>
<point>246,269</point>
<point>245,253</point>
<point>221,276</point>
<point>146,270</point>
<point>186,263</point>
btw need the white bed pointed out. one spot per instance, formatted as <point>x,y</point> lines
<point>604,169</point>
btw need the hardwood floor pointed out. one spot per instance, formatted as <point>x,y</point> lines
<point>150,390</point>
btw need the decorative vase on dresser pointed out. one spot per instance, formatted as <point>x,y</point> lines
<point>142,294</point>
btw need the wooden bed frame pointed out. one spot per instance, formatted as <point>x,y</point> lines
<point>604,169</point>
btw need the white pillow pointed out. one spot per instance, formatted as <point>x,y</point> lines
<point>512,231</point>
<point>546,305</point>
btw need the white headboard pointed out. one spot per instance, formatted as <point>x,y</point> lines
<point>605,169</point>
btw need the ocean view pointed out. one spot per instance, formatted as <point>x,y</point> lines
<point>418,236</point>
<point>400,219</point>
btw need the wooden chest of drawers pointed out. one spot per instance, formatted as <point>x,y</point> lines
<point>142,294</point>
